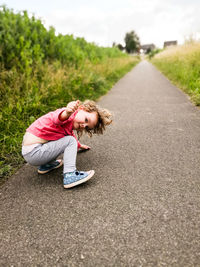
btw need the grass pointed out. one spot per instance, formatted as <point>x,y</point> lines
<point>181,64</point>
<point>24,98</point>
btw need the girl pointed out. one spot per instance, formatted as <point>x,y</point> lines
<point>52,134</point>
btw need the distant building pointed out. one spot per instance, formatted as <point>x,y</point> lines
<point>147,48</point>
<point>169,43</point>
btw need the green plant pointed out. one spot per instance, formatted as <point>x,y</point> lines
<point>181,65</point>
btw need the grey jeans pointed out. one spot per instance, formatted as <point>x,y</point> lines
<point>45,153</point>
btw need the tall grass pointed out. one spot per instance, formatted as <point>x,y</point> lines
<point>181,64</point>
<point>40,72</point>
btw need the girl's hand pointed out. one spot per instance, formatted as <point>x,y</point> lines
<point>72,106</point>
<point>84,147</point>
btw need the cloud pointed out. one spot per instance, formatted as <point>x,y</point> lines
<point>105,22</point>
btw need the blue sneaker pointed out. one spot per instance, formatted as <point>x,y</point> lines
<point>72,179</point>
<point>50,166</point>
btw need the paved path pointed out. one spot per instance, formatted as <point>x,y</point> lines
<point>142,208</point>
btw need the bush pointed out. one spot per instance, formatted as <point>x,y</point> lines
<point>153,52</point>
<point>25,41</point>
<point>181,64</point>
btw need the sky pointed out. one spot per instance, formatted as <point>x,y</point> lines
<point>106,21</point>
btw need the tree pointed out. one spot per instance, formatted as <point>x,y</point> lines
<point>119,46</point>
<point>132,42</point>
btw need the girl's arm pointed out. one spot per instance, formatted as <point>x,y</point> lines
<point>71,108</point>
<point>64,115</point>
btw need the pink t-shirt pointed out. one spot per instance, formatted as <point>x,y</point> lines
<point>50,128</point>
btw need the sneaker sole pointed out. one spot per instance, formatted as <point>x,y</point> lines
<point>80,181</point>
<point>43,172</point>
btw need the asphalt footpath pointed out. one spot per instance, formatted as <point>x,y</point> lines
<point>142,207</point>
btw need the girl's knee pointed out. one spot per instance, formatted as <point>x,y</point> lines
<point>71,139</point>
<point>71,145</point>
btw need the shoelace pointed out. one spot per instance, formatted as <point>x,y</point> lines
<point>79,173</point>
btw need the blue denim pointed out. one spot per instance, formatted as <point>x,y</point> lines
<point>74,178</point>
<point>49,166</point>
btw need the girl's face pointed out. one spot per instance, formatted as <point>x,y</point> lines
<point>85,119</point>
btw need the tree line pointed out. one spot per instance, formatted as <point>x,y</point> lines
<point>132,43</point>
<point>24,42</point>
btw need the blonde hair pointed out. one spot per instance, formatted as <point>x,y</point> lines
<point>104,118</point>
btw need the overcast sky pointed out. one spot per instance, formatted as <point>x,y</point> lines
<point>106,21</point>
